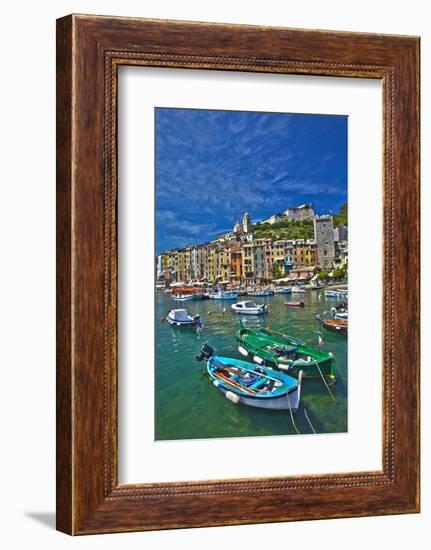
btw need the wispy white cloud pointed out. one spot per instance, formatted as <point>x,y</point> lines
<point>211,166</point>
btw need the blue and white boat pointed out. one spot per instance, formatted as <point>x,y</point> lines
<point>337,293</point>
<point>283,290</point>
<point>250,384</point>
<point>261,293</point>
<point>224,295</point>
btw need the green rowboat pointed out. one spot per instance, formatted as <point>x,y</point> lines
<point>285,353</point>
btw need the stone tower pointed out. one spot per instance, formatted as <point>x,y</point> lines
<point>246,222</point>
<point>324,237</point>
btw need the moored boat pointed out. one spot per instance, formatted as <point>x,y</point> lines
<point>336,325</point>
<point>298,290</point>
<point>183,298</point>
<point>223,295</point>
<point>184,294</point>
<point>249,308</point>
<point>289,354</point>
<point>181,318</point>
<point>341,315</point>
<point>294,304</point>
<point>250,384</point>
<point>337,293</point>
<point>340,311</point>
<point>283,290</point>
<point>261,293</point>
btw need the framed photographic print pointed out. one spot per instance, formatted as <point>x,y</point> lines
<point>238,274</point>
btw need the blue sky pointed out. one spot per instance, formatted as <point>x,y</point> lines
<point>212,166</point>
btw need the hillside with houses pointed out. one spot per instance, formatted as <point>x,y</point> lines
<point>295,244</point>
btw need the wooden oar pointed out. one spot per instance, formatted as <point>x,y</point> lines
<point>261,375</point>
<point>235,384</point>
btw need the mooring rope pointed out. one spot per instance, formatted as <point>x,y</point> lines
<point>291,415</point>
<point>308,420</point>
<point>324,381</point>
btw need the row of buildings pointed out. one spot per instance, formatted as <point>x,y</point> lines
<point>239,257</point>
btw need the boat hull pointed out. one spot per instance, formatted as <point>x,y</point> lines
<point>277,403</point>
<point>250,311</point>
<point>224,296</point>
<point>245,312</point>
<point>338,326</point>
<point>183,298</point>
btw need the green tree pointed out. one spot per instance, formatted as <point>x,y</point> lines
<point>342,216</point>
<point>324,275</point>
<point>277,271</point>
<point>339,273</point>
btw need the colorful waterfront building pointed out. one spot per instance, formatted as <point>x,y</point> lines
<point>211,264</point>
<point>248,262</point>
<point>305,252</point>
<point>222,263</point>
<point>201,258</point>
<point>282,253</point>
<point>235,264</point>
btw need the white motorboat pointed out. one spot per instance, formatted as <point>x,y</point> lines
<point>181,318</point>
<point>249,308</point>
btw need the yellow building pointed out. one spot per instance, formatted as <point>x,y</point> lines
<point>211,264</point>
<point>222,263</point>
<point>248,262</point>
<point>181,269</point>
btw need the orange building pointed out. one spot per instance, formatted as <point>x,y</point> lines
<point>235,263</point>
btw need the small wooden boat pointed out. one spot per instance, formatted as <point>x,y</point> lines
<point>294,304</point>
<point>253,385</point>
<point>224,295</point>
<point>283,352</point>
<point>249,308</point>
<point>180,318</point>
<point>336,325</point>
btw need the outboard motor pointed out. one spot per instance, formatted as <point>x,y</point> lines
<point>206,353</point>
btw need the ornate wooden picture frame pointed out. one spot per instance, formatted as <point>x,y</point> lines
<point>89,51</point>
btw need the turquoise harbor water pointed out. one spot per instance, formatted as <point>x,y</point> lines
<point>189,406</point>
